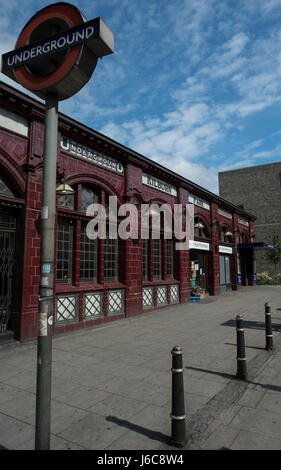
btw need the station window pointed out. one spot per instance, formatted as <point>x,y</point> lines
<point>200,229</point>
<point>157,259</point>
<point>170,258</point>
<point>64,250</point>
<point>88,196</point>
<point>85,251</point>
<point>4,190</point>
<point>225,235</point>
<point>88,256</point>
<point>145,259</point>
<point>66,201</point>
<point>110,260</point>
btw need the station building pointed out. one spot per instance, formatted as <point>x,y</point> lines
<point>102,280</point>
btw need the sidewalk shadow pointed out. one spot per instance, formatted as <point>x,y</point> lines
<point>251,347</point>
<point>3,448</point>
<point>154,435</point>
<point>275,388</point>
<point>252,324</point>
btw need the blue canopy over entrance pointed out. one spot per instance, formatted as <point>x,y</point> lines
<point>256,245</point>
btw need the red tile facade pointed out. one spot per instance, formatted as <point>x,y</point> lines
<point>21,159</point>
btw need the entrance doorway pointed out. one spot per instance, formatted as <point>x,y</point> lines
<point>246,265</point>
<point>7,248</point>
<point>199,268</point>
<point>225,278</point>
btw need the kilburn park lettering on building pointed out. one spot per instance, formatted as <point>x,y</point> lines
<point>92,156</point>
<point>158,184</point>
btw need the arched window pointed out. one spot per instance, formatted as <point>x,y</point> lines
<point>95,264</point>
<point>225,235</point>
<point>89,196</point>
<point>200,229</point>
<point>243,237</point>
<point>4,190</point>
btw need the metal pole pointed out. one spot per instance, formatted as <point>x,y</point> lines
<point>241,355</point>
<point>178,438</point>
<point>268,328</point>
<point>46,293</point>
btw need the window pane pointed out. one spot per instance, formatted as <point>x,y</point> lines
<point>227,270</point>
<point>157,265</point>
<point>4,189</point>
<point>110,260</point>
<point>145,259</point>
<point>64,251</point>
<point>88,197</point>
<point>88,256</point>
<point>66,201</point>
<point>170,258</point>
<point>222,270</point>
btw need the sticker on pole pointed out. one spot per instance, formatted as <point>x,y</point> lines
<point>43,324</point>
<point>57,51</point>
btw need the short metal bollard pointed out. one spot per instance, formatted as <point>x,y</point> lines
<point>268,328</point>
<point>241,355</point>
<point>178,437</point>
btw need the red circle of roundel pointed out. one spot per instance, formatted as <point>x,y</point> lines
<point>73,17</point>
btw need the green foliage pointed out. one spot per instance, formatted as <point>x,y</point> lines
<point>266,278</point>
<point>274,256</point>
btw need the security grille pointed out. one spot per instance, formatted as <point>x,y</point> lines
<point>115,302</point>
<point>66,308</point>
<point>7,243</point>
<point>93,305</point>
<point>162,295</point>
<point>174,294</point>
<point>147,297</point>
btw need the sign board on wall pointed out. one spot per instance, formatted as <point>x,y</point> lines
<point>198,202</point>
<point>193,244</point>
<point>91,155</point>
<point>225,249</point>
<point>159,185</point>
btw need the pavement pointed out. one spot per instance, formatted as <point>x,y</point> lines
<point>111,384</point>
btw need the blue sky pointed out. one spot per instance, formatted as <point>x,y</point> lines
<point>193,84</point>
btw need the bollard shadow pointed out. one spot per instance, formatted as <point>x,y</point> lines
<point>213,372</point>
<point>250,347</point>
<point>274,388</point>
<point>154,435</point>
<point>252,324</point>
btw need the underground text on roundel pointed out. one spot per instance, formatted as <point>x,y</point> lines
<point>73,37</point>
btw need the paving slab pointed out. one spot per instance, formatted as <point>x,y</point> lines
<point>111,384</point>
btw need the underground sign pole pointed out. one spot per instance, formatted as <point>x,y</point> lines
<point>46,293</point>
<point>54,57</point>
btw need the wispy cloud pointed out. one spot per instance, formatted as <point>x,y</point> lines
<point>193,84</point>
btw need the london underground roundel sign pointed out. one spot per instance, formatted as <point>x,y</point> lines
<point>57,51</point>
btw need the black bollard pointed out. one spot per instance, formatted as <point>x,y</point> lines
<point>268,328</point>
<point>241,355</point>
<point>178,438</point>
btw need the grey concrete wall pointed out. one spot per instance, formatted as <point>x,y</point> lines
<point>258,190</point>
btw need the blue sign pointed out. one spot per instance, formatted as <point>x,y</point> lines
<point>254,277</point>
<point>239,279</point>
